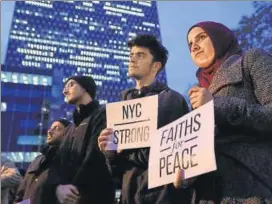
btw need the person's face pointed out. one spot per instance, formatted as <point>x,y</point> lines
<point>141,63</point>
<point>201,47</point>
<point>55,133</point>
<point>73,92</point>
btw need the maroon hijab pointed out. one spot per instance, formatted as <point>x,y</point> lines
<point>225,44</point>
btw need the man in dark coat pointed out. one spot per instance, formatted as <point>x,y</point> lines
<point>31,187</point>
<point>81,175</point>
<point>147,58</point>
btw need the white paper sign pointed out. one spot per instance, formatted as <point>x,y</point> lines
<point>133,122</point>
<point>25,202</point>
<point>187,143</point>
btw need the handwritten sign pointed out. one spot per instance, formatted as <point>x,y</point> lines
<point>187,143</point>
<point>133,122</point>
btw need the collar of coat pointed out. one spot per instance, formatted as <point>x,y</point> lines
<point>156,87</point>
<point>47,149</point>
<point>84,111</point>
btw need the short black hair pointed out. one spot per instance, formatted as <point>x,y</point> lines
<point>157,50</point>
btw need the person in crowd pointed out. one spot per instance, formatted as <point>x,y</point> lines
<point>33,184</point>
<point>80,174</point>
<point>147,58</point>
<point>10,179</point>
<point>240,84</point>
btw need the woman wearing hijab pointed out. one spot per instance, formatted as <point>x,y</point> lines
<point>241,86</point>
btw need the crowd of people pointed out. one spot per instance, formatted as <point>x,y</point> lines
<point>76,168</point>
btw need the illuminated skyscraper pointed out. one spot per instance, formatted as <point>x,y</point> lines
<point>52,40</point>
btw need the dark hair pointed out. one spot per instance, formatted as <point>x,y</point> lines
<point>157,50</point>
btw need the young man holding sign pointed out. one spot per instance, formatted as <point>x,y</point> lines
<point>147,58</point>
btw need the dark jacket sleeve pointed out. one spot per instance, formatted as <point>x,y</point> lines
<point>117,163</point>
<point>238,112</point>
<point>93,174</point>
<point>20,191</point>
<point>172,106</point>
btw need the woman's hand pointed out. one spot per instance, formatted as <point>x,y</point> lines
<point>199,96</point>
<point>180,182</point>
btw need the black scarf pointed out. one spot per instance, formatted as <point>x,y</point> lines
<point>84,111</point>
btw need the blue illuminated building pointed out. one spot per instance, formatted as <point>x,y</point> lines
<point>50,41</point>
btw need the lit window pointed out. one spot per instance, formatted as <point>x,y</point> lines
<point>3,106</point>
<point>4,77</point>
<point>15,78</point>
<point>35,79</point>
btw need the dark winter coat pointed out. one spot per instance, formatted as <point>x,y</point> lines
<point>242,90</point>
<point>80,162</point>
<point>132,165</point>
<point>35,185</point>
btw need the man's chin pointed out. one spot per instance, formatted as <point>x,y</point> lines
<point>134,76</point>
<point>71,101</point>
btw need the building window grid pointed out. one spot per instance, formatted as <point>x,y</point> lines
<point>100,52</point>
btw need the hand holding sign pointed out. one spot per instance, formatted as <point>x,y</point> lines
<point>104,139</point>
<point>181,182</point>
<point>199,96</point>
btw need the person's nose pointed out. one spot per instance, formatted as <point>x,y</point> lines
<point>132,59</point>
<point>195,47</point>
<point>65,90</point>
